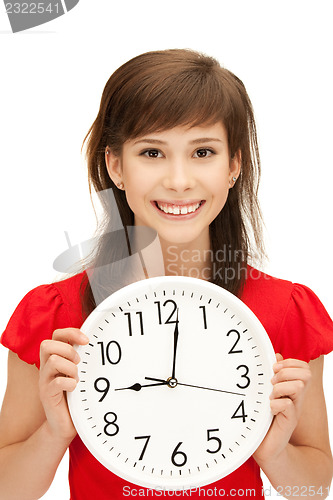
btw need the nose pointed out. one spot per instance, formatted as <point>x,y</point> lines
<point>179,175</point>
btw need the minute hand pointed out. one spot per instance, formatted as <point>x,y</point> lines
<point>175,342</point>
<point>211,389</point>
<point>198,387</point>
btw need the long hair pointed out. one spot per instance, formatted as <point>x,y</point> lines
<point>160,90</point>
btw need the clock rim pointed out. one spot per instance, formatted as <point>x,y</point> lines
<point>118,296</point>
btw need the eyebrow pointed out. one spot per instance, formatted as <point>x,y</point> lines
<point>195,141</point>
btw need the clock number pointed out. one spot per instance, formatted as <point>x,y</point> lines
<point>145,446</point>
<point>130,322</point>
<point>241,410</point>
<point>204,316</point>
<point>232,351</point>
<point>110,423</point>
<point>214,438</point>
<point>179,454</point>
<point>100,389</point>
<point>169,320</point>
<point>106,352</point>
<point>247,383</point>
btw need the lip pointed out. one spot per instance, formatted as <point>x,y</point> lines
<point>179,217</point>
<point>179,203</point>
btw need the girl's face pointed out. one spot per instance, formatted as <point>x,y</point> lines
<point>176,181</point>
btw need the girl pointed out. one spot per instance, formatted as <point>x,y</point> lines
<point>175,141</point>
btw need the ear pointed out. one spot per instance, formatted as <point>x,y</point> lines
<point>235,168</point>
<point>113,165</point>
<point>235,164</point>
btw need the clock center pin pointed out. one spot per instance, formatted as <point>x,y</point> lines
<point>172,382</point>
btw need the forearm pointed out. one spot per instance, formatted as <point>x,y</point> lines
<point>298,468</point>
<point>28,468</point>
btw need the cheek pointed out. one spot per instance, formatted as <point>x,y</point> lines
<point>219,188</point>
<point>220,200</point>
<point>133,197</point>
<point>134,186</point>
<point>139,183</point>
<point>136,192</point>
<point>218,185</point>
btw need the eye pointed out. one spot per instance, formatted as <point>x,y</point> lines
<point>151,153</point>
<point>203,153</point>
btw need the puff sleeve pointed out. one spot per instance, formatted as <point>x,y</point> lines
<point>40,312</point>
<point>306,330</point>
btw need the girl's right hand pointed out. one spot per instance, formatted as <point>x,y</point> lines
<point>59,374</point>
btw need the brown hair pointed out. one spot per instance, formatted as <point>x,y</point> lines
<point>160,90</point>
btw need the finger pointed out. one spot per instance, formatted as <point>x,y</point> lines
<point>61,384</point>
<point>70,335</point>
<point>289,363</point>
<point>49,347</point>
<point>278,356</point>
<point>284,410</point>
<point>285,374</point>
<point>58,366</point>
<point>291,389</point>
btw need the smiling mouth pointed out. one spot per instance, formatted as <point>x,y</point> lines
<point>173,209</point>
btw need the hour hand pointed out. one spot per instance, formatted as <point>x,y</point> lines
<point>138,387</point>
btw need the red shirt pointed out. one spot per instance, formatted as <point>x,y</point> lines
<point>293,316</point>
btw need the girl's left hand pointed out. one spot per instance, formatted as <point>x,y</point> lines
<point>290,382</point>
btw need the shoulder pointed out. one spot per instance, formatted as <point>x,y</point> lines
<point>267,297</point>
<point>58,297</point>
<point>42,310</point>
<point>70,291</point>
<point>292,314</point>
<point>275,295</point>
<point>258,282</point>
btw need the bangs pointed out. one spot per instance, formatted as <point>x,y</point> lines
<point>197,92</point>
<point>184,101</point>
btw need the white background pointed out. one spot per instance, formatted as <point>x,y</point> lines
<point>51,82</point>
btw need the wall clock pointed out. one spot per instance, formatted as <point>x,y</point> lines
<point>174,383</point>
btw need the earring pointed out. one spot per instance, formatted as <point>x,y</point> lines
<point>120,185</point>
<point>234,179</point>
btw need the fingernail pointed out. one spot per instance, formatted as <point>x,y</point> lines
<point>77,358</point>
<point>84,337</point>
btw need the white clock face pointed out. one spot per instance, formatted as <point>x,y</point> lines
<point>174,384</point>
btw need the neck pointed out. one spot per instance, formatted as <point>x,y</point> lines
<point>192,259</point>
<point>163,257</point>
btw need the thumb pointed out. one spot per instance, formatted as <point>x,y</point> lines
<point>279,357</point>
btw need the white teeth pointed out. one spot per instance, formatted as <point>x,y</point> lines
<point>176,210</point>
